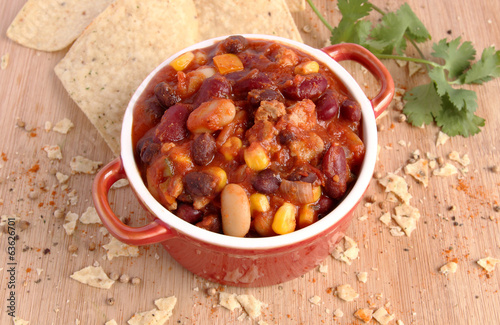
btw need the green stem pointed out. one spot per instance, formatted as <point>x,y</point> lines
<point>320,16</point>
<point>406,58</point>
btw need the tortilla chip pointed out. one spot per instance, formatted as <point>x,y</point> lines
<point>93,276</point>
<point>227,17</point>
<point>52,25</point>
<point>117,51</point>
<point>296,5</point>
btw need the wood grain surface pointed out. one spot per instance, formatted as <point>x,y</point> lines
<point>403,272</point>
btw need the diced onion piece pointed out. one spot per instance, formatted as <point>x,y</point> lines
<point>182,61</point>
<point>227,63</point>
<point>298,192</point>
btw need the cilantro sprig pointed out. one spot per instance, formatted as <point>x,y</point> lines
<point>443,100</point>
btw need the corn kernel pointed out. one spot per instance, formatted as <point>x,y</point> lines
<point>182,61</point>
<point>307,216</point>
<point>220,174</point>
<point>231,148</point>
<point>227,63</point>
<point>307,67</point>
<point>316,193</point>
<point>256,157</point>
<point>259,202</point>
<point>284,219</point>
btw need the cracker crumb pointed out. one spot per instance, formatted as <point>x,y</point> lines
<point>90,216</point>
<point>382,316</point>
<point>442,138</point>
<point>116,248</point>
<point>447,170</point>
<point>397,185</point>
<point>365,314</point>
<point>488,263</point>
<point>63,126</point>
<point>455,156</point>
<point>228,300</point>
<point>53,152</point>
<point>406,217</point>
<point>166,304</point>
<point>448,268</point>
<point>386,218</point>
<point>315,300</point>
<point>93,276</point>
<point>251,305</point>
<point>84,165</point>
<point>150,317</point>
<point>346,292</point>
<point>346,251</point>
<point>362,276</point>
<point>70,223</point>
<point>419,170</point>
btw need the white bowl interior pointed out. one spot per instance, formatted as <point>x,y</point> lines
<point>356,192</point>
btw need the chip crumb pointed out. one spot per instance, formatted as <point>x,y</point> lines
<point>63,126</point>
<point>111,322</point>
<point>447,170</point>
<point>47,126</point>
<point>362,276</point>
<point>120,183</point>
<point>385,218</point>
<point>323,268</point>
<point>150,317</point>
<point>365,314</point>
<point>315,300</point>
<point>448,268</point>
<point>5,61</point>
<point>346,251</point>
<point>116,248</point>
<point>84,165</point>
<point>396,231</point>
<point>488,263</point>
<point>90,216</point>
<point>406,217</point>
<point>72,198</point>
<point>61,178</point>
<point>400,322</point>
<point>455,156</point>
<point>338,313</point>
<point>346,292</point>
<point>70,222</point>
<point>251,305</point>
<point>93,276</point>
<point>228,300</point>
<point>53,152</point>
<point>419,170</point>
<point>261,322</point>
<point>442,138</point>
<point>397,185</point>
<point>166,304</point>
<point>382,316</point>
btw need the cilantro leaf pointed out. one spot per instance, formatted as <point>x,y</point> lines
<point>422,104</point>
<point>457,57</point>
<point>485,69</point>
<point>416,28</point>
<point>453,122</point>
<point>350,29</point>
<point>460,98</point>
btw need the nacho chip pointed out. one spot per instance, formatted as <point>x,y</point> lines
<point>117,51</point>
<point>94,276</point>
<point>296,5</point>
<point>226,17</point>
<point>150,317</point>
<point>166,304</point>
<point>116,248</point>
<point>90,216</point>
<point>52,25</point>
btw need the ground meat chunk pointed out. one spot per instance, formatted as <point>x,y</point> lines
<point>270,111</point>
<point>307,148</point>
<point>301,115</point>
<point>261,131</point>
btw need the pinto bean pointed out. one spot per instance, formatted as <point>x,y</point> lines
<point>235,210</point>
<point>350,110</point>
<point>211,116</point>
<point>173,124</point>
<point>305,87</point>
<point>199,184</point>
<point>203,149</point>
<point>166,95</point>
<point>335,168</point>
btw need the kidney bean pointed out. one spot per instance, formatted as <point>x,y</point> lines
<point>211,116</point>
<point>327,106</point>
<point>234,44</point>
<point>203,149</point>
<point>324,206</point>
<point>187,213</point>
<point>255,96</point>
<point>211,223</point>
<point>235,210</point>
<point>147,149</point>
<point>305,87</point>
<point>350,110</point>
<point>173,124</point>
<point>199,184</point>
<point>213,87</point>
<point>335,168</point>
<point>266,182</point>
<point>166,95</point>
<point>253,80</point>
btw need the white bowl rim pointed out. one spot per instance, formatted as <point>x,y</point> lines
<point>260,243</point>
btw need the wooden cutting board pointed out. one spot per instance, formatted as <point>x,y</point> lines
<point>458,219</point>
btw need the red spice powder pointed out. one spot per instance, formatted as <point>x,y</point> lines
<point>34,168</point>
<point>4,156</point>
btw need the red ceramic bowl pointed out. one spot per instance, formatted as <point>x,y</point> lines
<point>248,262</point>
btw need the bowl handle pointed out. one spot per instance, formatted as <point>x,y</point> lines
<point>151,233</point>
<point>357,53</point>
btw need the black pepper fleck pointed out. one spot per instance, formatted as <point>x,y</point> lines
<point>46,251</point>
